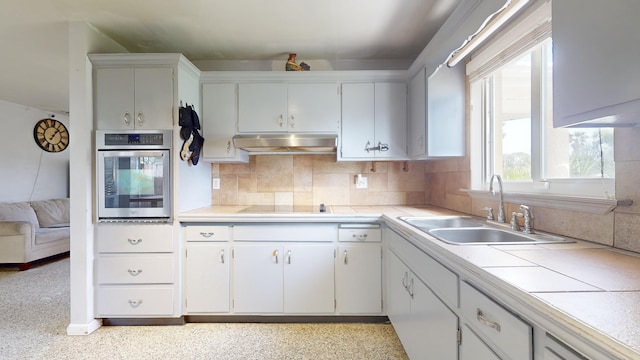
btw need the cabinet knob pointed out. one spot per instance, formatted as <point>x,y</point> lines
<point>222,256</point>
<point>289,257</point>
<point>228,146</point>
<point>126,118</point>
<point>281,122</point>
<point>292,122</point>
<point>140,118</point>
<point>346,260</point>
<point>275,256</point>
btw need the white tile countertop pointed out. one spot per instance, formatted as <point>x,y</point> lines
<point>583,288</point>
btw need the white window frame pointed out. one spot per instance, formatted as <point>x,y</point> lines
<point>582,194</point>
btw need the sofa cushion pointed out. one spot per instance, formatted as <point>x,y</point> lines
<point>20,211</point>
<point>52,213</point>
<point>44,236</point>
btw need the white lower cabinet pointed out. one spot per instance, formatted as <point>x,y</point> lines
<point>136,271</point>
<point>207,271</point>
<point>426,327</point>
<point>359,279</point>
<point>359,269</point>
<point>283,278</point>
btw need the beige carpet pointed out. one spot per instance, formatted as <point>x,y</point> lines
<point>35,314</point>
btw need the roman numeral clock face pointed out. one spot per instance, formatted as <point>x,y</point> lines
<point>51,135</point>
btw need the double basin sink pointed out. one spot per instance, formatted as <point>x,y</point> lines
<point>466,230</point>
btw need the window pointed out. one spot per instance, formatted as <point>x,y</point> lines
<point>512,115</point>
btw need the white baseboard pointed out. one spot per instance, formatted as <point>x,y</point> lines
<point>84,329</point>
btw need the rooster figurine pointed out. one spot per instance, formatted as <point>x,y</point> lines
<point>292,66</point>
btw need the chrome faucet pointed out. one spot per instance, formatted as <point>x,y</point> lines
<point>501,209</point>
<point>528,219</point>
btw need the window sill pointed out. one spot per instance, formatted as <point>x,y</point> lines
<point>560,202</point>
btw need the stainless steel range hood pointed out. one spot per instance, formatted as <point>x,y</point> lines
<point>287,143</point>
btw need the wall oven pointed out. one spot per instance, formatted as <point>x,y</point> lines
<point>134,175</point>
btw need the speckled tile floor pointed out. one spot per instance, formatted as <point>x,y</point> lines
<point>35,313</point>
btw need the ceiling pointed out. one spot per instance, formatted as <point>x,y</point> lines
<point>33,34</point>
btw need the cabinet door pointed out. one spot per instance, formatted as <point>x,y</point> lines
<point>219,123</point>
<point>114,98</point>
<point>398,301</point>
<point>134,98</point>
<point>446,112</point>
<point>262,108</point>
<point>207,278</point>
<point>154,98</point>
<point>596,72</point>
<point>309,279</point>
<point>359,279</point>
<point>314,108</point>
<point>417,118</point>
<point>391,119</point>
<point>357,120</point>
<point>258,278</point>
<point>472,348</point>
<point>433,328</point>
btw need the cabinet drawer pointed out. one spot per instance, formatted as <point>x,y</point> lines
<point>359,233</point>
<point>442,281</point>
<point>134,238</point>
<point>135,269</point>
<point>495,324</point>
<point>207,233</point>
<point>135,301</point>
<point>280,232</point>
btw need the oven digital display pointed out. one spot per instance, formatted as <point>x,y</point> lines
<point>111,139</point>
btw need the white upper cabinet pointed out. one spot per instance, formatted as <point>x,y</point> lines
<point>417,135</point>
<point>219,123</point>
<point>437,113</point>
<point>134,98</point>
<point>374,117</point>
<point>446,112</point>
<point>295,107</point>
<point>596,73</point>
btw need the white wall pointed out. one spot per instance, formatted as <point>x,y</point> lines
<point>26,171</point>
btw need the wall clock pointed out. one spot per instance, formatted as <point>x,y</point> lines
<point>51,135</point>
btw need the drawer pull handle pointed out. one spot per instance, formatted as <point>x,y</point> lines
<point>222,256</point>
<point>411,288</point>
<point>135,303</point>
<point>405,282</point>
<point>346,259</point>
<point>134,272</point>
<point>289,257</point>
<point>483,320</point>
<point>207,234</point>
<point>134,241</point>
<point>275,256</point>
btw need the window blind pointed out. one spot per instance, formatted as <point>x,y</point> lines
<point>510,44</point>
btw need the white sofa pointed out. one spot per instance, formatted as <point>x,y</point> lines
<point>33,230</point>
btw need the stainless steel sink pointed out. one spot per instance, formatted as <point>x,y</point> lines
<point>493,236</point>
<point>463,230</point>
<point>428,223</point>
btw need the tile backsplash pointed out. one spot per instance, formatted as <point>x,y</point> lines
<point>311,180</point>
